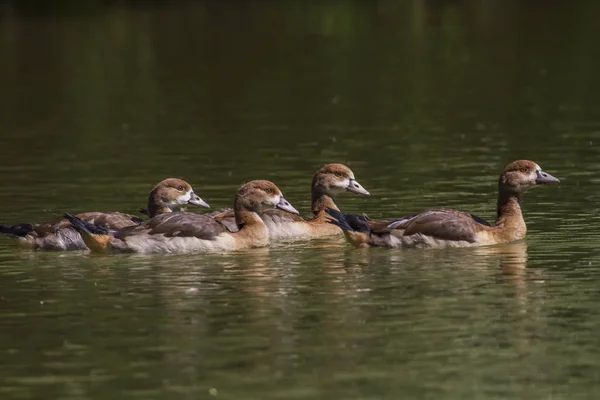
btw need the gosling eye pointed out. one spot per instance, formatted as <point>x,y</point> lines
<point>181,188</point>
<point>524,169</point>
<point>338,174</point>
<point>269,190</point>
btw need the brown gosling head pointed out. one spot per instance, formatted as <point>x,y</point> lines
<point>174,192</point>
<point>260,195</point>
<point>522,175</point>
<point>335,178</point>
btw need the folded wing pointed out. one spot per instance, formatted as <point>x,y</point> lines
<point>179,224</point>
<point>442,224</point>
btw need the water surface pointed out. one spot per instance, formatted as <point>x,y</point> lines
<point>426,101</point>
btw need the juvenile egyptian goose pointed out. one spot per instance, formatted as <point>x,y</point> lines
<point>61,235</point>
<point>329,181</point>
<point>183,232</point>
<point>451,228</point>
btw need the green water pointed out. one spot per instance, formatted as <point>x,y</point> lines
<point>425,100</point>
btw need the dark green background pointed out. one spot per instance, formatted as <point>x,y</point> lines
<point>425,100</point>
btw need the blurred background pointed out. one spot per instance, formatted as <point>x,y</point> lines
<point>219,92</point>
<point>426,100</point>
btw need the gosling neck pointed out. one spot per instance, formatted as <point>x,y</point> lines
<point>321,201</point>
<point>156,208</point>
<point>509,215</point>
<point>508,205</point>
<point>243,216</point>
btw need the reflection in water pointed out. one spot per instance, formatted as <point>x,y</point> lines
<point>512,257</point>
<point>257,309</point>
<point>424,100</point>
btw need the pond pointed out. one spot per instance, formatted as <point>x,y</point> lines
<point>426,101</point>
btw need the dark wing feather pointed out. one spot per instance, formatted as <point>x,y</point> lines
<point>386,226</point>
<point>224,212</point>
<point>225,217</point>
<point>349,222</point>
<point>17,231</point>
<point>441,224</point>
<point>112,220</point>
<point>279,216</point>
<point>379,227</point>
<point>177,224</point>
<point>137,220</point>
<point>480,220</point>
<point>359,223</point>
<point>49,228</point>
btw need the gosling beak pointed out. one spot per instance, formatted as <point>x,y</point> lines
<point>286,206</point>
<point>197,201</point>
<point>543,178</point>
<point>355,187</point>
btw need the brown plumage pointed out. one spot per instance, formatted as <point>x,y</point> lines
<point>183,232</point>
<point>330,180</point>
<point>451,228</point>
<point>61,235</point>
